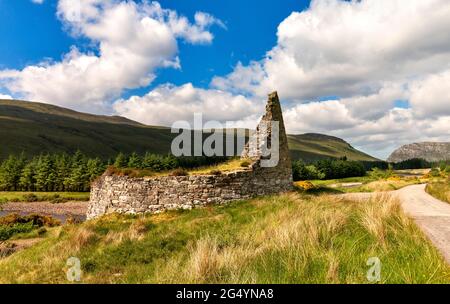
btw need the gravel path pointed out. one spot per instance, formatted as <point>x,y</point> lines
<point>431,215</point>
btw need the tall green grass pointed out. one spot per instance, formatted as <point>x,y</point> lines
<point>440,190</point>
<point>56,197</point>
<point>290,238</point>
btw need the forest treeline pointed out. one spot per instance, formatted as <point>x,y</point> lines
<point>327,169</point>
<point>74,173</point>
<point>342,168</point>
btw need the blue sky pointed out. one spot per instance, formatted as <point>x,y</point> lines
<point>370,71</point>
<point>34,32</point>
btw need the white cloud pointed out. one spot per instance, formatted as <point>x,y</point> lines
<point>168,103</point>
<point>369,54</point>
<point>131,41</point>
<point>322,116</point>
<point>2,96</point>
<point>37,1</point>
<point>346,48</point>
<point>430,97</point>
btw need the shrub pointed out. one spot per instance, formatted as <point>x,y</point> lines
<point>305,185</point>
<point>327,169</point>
<point>179,172</point>
<point>376,173</point>
<point>35,219</point>
<point>301,171</point>
<point>14,224</point>
<point>30,197</point>
<point>435,172</point>
<point>245,164</point>
<point>7,232</point>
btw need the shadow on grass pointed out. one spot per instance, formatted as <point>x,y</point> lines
<point>319,190</point>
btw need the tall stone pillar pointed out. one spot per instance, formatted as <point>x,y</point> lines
<point>263,140</point>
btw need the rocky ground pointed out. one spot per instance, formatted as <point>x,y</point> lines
<point>60,211</point>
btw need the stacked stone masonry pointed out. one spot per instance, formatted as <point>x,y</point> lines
<point>123,194</point>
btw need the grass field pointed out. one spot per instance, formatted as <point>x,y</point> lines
<point>290,238</point>
<point>368,184</point>
<point>43,196</point>
<point>440,190</point>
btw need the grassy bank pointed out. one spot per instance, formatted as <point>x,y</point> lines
<point>224,167</point>
<point>56,197</point>
<point>440,190</point>
<point>23,227</point>
<point>367,184</point>
<point>290,238</point>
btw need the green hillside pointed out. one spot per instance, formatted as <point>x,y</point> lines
<point>311,146</point>
<point>35,128</point>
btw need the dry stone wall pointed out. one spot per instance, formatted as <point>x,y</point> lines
<point>125,194</point>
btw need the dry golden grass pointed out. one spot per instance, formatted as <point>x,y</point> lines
<point>138,229</point>
<point>387,185</point>
<point>81,237</point>
<point>300,234</point>
<point>229,166</point>
<point>440,189</point>
<point>290,238</point>
<point>374,215</point>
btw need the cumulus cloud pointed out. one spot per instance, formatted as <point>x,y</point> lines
<point>430,97</point>
<point>369,54</point>
<point>345,48</point>
<point>340,68</point>
<point>131,40</point>
<point>168,103</point>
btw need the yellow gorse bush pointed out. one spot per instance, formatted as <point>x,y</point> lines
<point>305,185</point>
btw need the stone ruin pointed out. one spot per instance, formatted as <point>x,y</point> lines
<point>131,195</point>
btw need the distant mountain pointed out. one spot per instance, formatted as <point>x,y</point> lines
<point>35,128</point>
<point>430,151</point>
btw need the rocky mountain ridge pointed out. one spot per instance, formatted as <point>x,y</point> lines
<point>430,151</point>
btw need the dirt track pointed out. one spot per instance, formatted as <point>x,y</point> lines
<point>431,214</point>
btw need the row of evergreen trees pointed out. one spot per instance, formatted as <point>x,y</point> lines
<point>58,172</point>
<point>74,173</point>
<point>63,172</point>
<point>160,163</point>
<point>327,169</point>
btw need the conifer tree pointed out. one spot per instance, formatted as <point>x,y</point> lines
<point>28,177</point>
<point>45,173</point>
<point>134,161</point>
<point>10,172</point>
<point>121,161</point>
